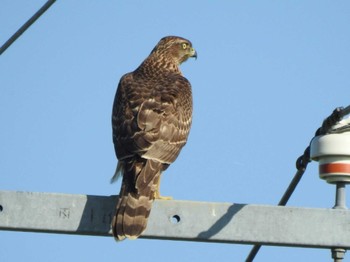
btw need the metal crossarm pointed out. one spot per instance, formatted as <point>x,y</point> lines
<point>179,220</point>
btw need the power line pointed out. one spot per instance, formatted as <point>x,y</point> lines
<point>24,27</point>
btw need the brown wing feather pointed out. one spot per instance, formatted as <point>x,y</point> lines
<point>173,121</point>
<point>152,122</point>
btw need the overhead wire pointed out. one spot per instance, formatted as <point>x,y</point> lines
<point>26,25</point>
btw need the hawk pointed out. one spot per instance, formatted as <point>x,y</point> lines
<point>151,120</point>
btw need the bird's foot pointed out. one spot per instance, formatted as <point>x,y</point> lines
<point>164,198</point>
<point>158,196</point>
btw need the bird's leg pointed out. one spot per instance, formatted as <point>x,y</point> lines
<point>157,193</point>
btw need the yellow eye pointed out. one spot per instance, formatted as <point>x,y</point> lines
<point>184,46</point>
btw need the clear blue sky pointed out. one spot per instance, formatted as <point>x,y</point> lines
<point>267,74</point>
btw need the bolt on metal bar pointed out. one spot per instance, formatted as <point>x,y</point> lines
<point>24,27</point>
<point>338,254</point>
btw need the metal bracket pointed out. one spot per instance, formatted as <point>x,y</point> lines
<point>179,220</point>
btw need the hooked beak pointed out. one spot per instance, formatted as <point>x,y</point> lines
<point>193,53</point>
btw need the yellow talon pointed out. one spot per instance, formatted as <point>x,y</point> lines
<point>164,197</point>
<point>158,196</point>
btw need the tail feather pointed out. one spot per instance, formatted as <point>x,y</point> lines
<point>134,205</point>
<point>135,216</point>
<point>118,227</point>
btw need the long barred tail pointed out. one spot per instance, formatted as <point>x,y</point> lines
<point>140,180</point>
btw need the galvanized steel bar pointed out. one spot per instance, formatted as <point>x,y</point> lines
<point>179,220</point>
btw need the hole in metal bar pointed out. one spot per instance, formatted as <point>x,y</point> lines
<point>1,208</point>
<point>175,219</point>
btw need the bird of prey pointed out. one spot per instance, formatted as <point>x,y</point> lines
<point>151,120</point>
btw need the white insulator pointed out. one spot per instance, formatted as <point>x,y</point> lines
<point>332,151</point>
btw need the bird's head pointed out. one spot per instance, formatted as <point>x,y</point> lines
<point>175,48</point>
